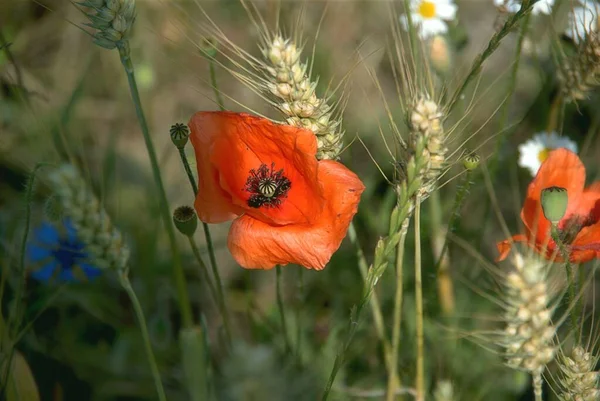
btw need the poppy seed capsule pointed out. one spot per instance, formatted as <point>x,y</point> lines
<point>179,135</point>
<point>471,161</point>
<point>554,203</point>
<point>185,220</point>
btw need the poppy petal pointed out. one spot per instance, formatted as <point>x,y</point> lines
<point>258,245</point>
<point>505,246</point>
<point>212,203</point>
<point>562,169</point>
<point>586,246</point>
<point>247,143</point>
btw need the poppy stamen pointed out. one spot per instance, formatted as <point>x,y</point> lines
<point>267,186</point>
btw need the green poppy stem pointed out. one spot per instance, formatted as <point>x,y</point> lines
<point>139,312</point>
<point>280,305</point>
<point>183,297</point>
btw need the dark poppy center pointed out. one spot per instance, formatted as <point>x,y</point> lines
<point>267,186</point>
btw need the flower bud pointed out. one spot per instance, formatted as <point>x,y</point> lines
<point>179,135</point>
<point>554,203</point>
<point>471,161</point>
<point>185,220</point>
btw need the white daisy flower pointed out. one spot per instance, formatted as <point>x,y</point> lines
<point>533,152</point>
<point>582,20</point>
<point>512,6</point>
<point>429,16</point>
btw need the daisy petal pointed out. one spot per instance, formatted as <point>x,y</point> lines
<point>446,11</point>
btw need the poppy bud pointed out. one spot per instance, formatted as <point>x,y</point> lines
<point>185,220</point>
<point>554,203</point>
<point>179,135</point>
<point>471,161</point>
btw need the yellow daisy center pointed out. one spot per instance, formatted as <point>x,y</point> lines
<point>543,155</point>
<point>427,9</point>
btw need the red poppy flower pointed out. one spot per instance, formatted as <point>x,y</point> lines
<point>579,229</point>
<point>288,207</point>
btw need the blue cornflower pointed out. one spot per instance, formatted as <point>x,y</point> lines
<point>56,252</point>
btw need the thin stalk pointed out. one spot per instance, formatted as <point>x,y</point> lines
<point>384,249</point>
<point>374,301</point>
<point>393,381</point>
<point>278,279</point>
<point>512,85</point>
<point>554,111</point>
<point>570,273</point>
<point>207,236</point>
<point>205,274</point>
<point>5,45</point>
<point>216,291</point>
<point>443,274</point>
<point>491,48</point>
<point>183,297</point>
<point>14,321</point>
<point>299,306</point>
<point>188,170</point>
<point>420,379</point>
<point>445,286</point>
<point>139,312</point>
<point>213,80</point>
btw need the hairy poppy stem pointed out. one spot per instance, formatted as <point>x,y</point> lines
<point>568,270</point>
<point>139,312</point>
<point>183,298</point>
<point>188,171</point>
<point>420,379</point>
<point>374,301</point>
<point>204,272</point>
<point>299,307</point>
<point>211,248</point>
<point>217,292</point>
<point>278,280</point>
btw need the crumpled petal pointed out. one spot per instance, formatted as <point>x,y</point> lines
<point>246,142</point>
<point>258,245</point>
<point>212,203</point>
